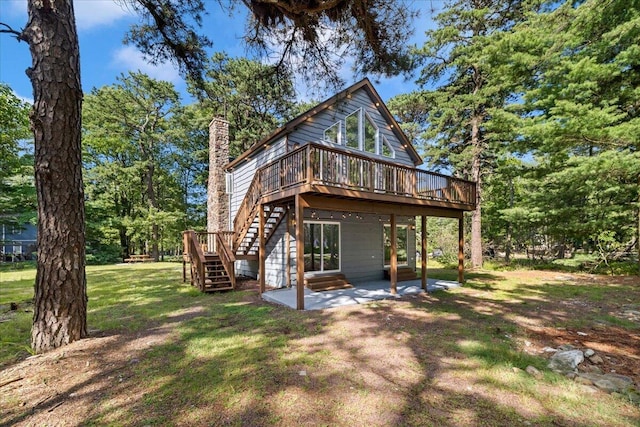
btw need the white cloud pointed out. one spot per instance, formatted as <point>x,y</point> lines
<point>89,13</point>
<point>95,13</point>
<point>128,58</point>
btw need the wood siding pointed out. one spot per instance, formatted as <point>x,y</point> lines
<point>361,251</point>
<point>313,129</point>
<point>243,174</point>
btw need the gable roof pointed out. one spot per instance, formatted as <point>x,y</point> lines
<point>346,93</point>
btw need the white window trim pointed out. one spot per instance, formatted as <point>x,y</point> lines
<point>376,142</point>
<point>358,114</point>
<point>384,141</point>
<point>338,140</point>
<point>322,247</point>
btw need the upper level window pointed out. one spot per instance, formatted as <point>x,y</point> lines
<point>363,134</point>
<point>352,125</point>
<point>386,149</point>
<point>332,134</point>
<point>370,135</point>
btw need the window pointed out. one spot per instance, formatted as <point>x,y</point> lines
<point>332,134</point>
<point>386,149</point>
<point>321,246</point>
<point>370,135</point>
<point>228,182</point>
<point>362,134</point>
<point>401,244</point>
<point>352,124</point>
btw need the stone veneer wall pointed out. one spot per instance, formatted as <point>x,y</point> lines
<point>217,198</point>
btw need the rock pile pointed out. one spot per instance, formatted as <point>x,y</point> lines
<point>566,360</point>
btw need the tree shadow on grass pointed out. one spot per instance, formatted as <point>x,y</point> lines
<point>231,359</point>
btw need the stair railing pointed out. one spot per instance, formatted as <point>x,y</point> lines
<point>196,255</point>
<point>244,214</point>
<point>226,257</point>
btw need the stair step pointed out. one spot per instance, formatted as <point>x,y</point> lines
<point>404,274</point>
<point>327,282</point>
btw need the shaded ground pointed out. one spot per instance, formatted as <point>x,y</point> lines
<point>445,359</point>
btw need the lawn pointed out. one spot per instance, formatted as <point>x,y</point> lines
<point>161,353</point>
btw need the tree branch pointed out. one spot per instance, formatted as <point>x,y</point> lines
<point>9,30</point>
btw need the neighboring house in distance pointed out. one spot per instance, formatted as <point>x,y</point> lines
<point>328,199</point>
<point>18,243</point>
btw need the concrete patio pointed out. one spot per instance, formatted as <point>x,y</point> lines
<point>361,293</point>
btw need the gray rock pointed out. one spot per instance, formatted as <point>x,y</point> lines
<point>588,352</point>
<point>566,361</point>
<point>583,380</point>
<point>611,383</point>
<point>593,369</point>
<point>549,350</point>
<point>620,381</point>
<point>531,370</point>
<point>606,385</point>
<point>596,359</point>
<point>565,347</point>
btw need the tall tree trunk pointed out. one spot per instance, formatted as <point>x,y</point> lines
<point>153,204</point>
<point>476,217</point>
<point>60,312</point>
<point>507,250</point>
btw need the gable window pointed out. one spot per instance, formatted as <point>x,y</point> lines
<point>332,134</point>
<point>362,133</point>
<point>386,149</point>
<point>401,244</point>
<point>370,135</point>
<point>321,246</point>
<point>352,125</point>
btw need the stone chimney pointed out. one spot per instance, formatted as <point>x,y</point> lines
<point>217,197</point>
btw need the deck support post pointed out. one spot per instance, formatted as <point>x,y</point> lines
<point>299,253</point>
<point>262,248</point>
<point>423,253</point>
<point>287,239</point>
<point>461,248</point>
<point>393,273</point>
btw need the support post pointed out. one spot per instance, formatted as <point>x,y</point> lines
<point>461,249</point>
<point>393,273</point>
<point>423,254</point>
<point>287,239</point>
<point>299,253</point>
<point>262,248</point>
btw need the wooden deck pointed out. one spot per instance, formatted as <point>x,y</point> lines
<point>317,170</point>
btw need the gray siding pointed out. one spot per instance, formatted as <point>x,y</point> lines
<point>243,174</point>
<point>313,130</point>
<point>362,252</point>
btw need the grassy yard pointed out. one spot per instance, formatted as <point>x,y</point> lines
<point>161,353</point>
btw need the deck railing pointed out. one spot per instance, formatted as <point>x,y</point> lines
<point>317,164</point>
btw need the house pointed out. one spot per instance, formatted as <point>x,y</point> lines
<point>19,242</point>
<point>328,200</point>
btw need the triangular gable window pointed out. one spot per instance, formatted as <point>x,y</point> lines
<point>386,149</point>
<point>332,134</point>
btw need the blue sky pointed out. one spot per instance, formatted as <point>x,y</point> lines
<point>103,23</point>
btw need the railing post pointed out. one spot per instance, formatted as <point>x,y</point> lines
<point>281,171</point>
<point>309,165</point>
<point>372,180</point>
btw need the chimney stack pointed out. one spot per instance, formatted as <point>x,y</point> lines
<point>217,198</point>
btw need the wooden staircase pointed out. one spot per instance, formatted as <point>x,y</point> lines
<point>211,261</point>
<point>246,242</point>
<point>247,221</point>
<point>327,282</point>
<point>216,277</point>
<point>404,274</point>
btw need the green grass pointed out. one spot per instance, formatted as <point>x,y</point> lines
<point>231,359</point>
